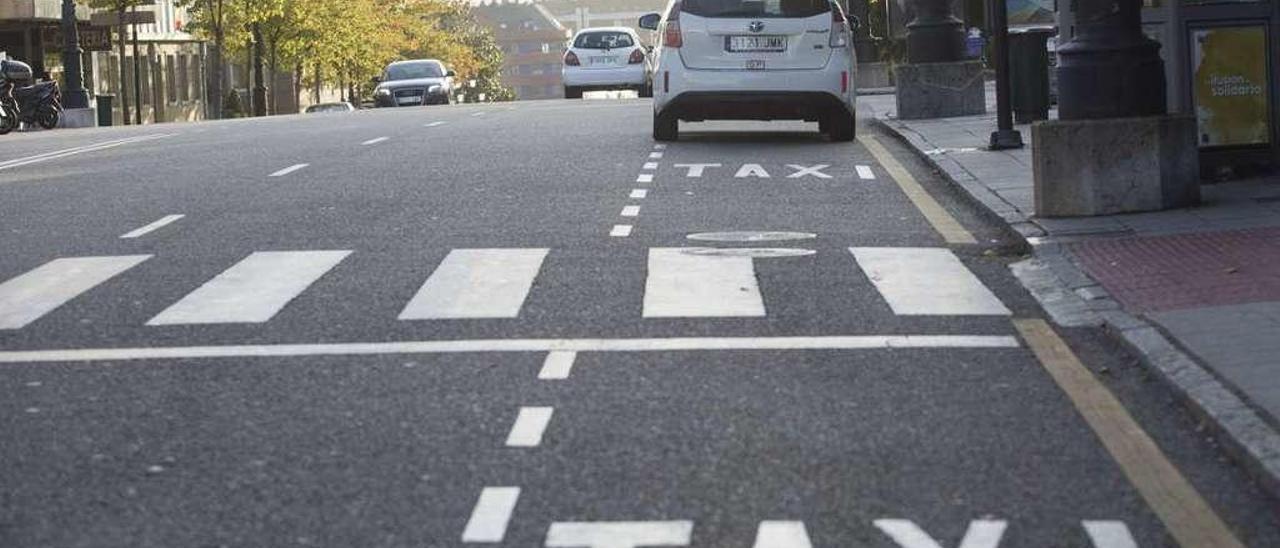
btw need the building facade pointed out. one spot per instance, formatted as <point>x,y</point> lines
<point>532,43</point>
<point>170,63</point>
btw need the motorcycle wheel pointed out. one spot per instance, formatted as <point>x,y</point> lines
<point>48,119</point>
<point>7,123</point>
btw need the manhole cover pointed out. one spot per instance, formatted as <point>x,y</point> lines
<point>753,252</point>
<point>750,236</point>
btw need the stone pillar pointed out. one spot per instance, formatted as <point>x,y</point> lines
<point>1113,149</point>
<point>936,81</point>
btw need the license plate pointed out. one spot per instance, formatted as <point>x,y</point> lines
<point>756,43</point>
<point>603,60</point>
<point>755,64</point>
<point>409,100</point>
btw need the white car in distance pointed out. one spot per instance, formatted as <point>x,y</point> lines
<point>606,58</point>
<point>753,60</point>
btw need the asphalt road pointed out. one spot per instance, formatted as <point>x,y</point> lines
<point>492,328</point>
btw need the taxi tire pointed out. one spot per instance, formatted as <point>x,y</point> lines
<point>840,127</point>
<point>666,127</point>
<point>571,92</point>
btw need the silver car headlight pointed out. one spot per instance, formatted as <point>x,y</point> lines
<point>382,92</point>
<point>434,89</point>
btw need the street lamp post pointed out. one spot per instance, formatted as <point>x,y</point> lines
<point>1110,69</point>
<point>935,35</point>
<point>74,96</point>
<point>1005,136</point>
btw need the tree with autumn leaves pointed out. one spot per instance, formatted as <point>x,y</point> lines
<point>345,42</point>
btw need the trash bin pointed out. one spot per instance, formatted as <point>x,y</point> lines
<point>1029,73</point>
<point>105,102</point>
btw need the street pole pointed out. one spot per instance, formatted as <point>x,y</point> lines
<point>75,96</point>
<point>935,35</point>
<point>1005,136</point>
<point>1110,69</point>
<point>137,75</point>
<point>124,69</point>
<point>259,82</point>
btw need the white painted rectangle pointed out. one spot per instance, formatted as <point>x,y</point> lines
<point>660,146</point>
<point>620,231</point>
<point>864,172</point>
<point>644,178</point>
<point>639,193</point>
<point>37,292</point>
<point>288,170</point>
<point>557,365</point>
<point>1109,534</point>
<point>630,211</point>
<point>491,514</point>
<point>926,281</point>
<point>477,283</point>
<point>530,423</point>
<point>683,284</point>
<point>253,290</point>
<point>650,165</point>
<point>167,219</point>
<point>619,534</point>
<point>655,155</point>
<point>782,534</point>
<point>375,140</point>
<point>433,124</point>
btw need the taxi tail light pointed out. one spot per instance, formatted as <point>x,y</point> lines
<point>672,38</point>
<point>839,28</point>
<point>571,59</point>
<point>637,57</point>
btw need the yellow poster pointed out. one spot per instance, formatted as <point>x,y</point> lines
<point>1231,88</point>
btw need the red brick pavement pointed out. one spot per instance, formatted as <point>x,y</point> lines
<point>1186,270</point>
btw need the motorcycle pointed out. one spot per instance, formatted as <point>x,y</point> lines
<point>39,103</point>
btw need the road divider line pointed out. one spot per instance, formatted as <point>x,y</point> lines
<point>644,178</point>
<point>1188,517</point>
<point>946,225</point>
<point>865,173</point>
<point>375,141</point>
<point>638,193</point>
<point>18,162</point>
<point>167,219</point>
<point>655,155</point>
<point>830,342</point>
<point>650,165</point>
<point>557,366</point>
<point>531,423</point>
<point>491,514</point>
<point>433,124</point>
<point>288,170</point>
<point>620,231</point>
<point>630,211</point>
<point>477,113</point>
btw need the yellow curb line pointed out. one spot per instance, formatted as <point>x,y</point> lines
<point>946,225</point>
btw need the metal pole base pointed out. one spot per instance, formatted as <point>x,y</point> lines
<point>1110,82</point>
<point>935,41</point>
<point>1006,139</point>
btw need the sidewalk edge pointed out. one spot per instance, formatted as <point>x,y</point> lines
<point>1072,298</point>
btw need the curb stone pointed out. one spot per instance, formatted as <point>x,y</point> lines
<point>1073,299</point>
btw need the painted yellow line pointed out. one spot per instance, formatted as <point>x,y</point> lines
<point>946,225</point>
<point>1174,500</point>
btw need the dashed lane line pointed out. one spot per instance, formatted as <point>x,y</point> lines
<point>946,225</point>
<point>137,232</point>
<point>620,231</point>
<point>655,155</point>
<point>531,423</point>
<point>28,160</point>
<point>782,534</point>
<point>288,170</point>
<point>650,165</point>
<point>491,514</point>
<point>630,211</point>
<point>644,178</point>
<point>829,342</point>
<point>557,366</point>
<point>1189,519</point>
<point>619,534</point>
<point>638,193</point>
<point>434,124</point>
<point>375,141</point>
<point>865,173</point>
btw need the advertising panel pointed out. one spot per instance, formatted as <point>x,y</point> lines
<point>1230,85</point>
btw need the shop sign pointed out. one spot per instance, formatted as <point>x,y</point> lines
<point>91,38</point>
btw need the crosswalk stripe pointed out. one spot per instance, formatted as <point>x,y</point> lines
<point>782,534</point>
<point>477,283</point>
<point>683,284</point>
<point>925,281</point>
<point>29,296</point>
<point>253,290</point>
<point>619,534</point>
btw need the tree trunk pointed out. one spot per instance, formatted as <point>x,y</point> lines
<point>259,81</point>
<point>214,75</point>
<point>319,77</point>
<point>124,67</point>
<point>297,86</point>
<point>272,66</point>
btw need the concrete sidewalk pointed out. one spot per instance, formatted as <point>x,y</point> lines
<point>1195,292</point>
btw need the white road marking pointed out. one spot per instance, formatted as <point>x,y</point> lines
<point>477,283</point>
<point>864,172</point>
<point>655,155</point>
<point>803,171</point>
<point>39,291</point>
<point>650,165</point>
<point>253,290</point>
<point>167,219</point>
<point>288,170</point>
<point>644,178</point>
<point>638,193</point>
<point>837,342</point>
<point>782,534</point>
<point>434,124</point>
<point>557,366</point>
<point>1109,534</point>
<point>683,285</point>
<point>491,514</point>
<point>27,160</point>
<point>477,113</point>
<point>619,534</point>
<point>630,211</point>
<point>926,281</point>
<point>530,423</point>
<point>981,534</point>
<point>659,146</point>
<point>751,170</point>
<point>695,170</point>
<point>375,140</point>
<point>620,231</point>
